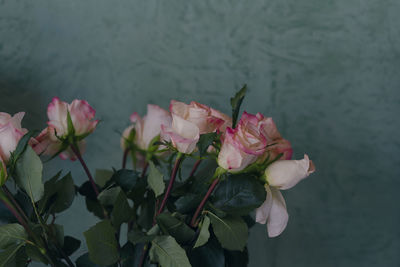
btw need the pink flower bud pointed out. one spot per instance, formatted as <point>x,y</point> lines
<point>10,133</point>
<point>82,115</point>
<point>148,127</point>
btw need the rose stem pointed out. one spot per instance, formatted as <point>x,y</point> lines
<point>195,167</point>
<point>15,203</point>
<point>178,162</point>
<point>89,175</point>
<point>124,158</point>
<point>203,202</point>
<point>146,165</point>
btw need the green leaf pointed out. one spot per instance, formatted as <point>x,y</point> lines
<point>86,190</point>
<point>145,220</point>
<point>35,254</point>
<point>29,174</point>
<point>239,194</point>
<point>205,141</point>
<point>22,144</point>
<point>101,242</point>
<point>3,174</point>
<point>11,257</point>
<point>204,234</point>
<point>231,231</point>
<point>12,234</point>
<point>127,255</point>
<point>236,102</point>
<point>109,196</point>
<point>71,244</point>
<point>64,191</point>
<point>155,180</point>
<point>121,212</point>
<point>84,261</point>
<point>103,176</point>
<point>94,207</point>
<point>210,255</point>
<point>136,236</point>
<point>58,233</point>
<point>168,253</point>
<point>71,129</point>
<point>126,179</point>
<point>175,227</point>
<point>188,202</point>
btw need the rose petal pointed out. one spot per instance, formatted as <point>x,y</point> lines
<point>284,174</point>
<point>278,216</point>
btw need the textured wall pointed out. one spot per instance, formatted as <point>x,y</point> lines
<point>326,71</point>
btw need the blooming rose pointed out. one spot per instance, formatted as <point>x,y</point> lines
<point>243,145</point>
<point>281,175</point>
<point>52,139</point>
<point>10,133</point>
<point>255,137</point>
<point>189,122</point>
<point>148,127</point>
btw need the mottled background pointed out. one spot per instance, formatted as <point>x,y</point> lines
<point>327,71</point>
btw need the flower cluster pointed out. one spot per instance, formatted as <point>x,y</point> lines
<point>248,164</point>
<point>255,140</point>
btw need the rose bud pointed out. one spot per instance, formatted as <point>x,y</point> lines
<point>56,138</point>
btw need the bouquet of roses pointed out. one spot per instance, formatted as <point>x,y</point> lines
<point>157,211</point>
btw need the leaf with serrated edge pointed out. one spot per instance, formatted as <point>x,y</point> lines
<point>204,234</point>
<point>167,252</point>
<point>12,234</point>
<point>29,174</point>
<point>155,180</point>
<point>231,231</point>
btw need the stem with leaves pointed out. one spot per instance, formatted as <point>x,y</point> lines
<point>24,224</point>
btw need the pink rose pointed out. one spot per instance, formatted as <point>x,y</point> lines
<point>81,112</point>
<point>243,145</point>
<point>275,143</point>
<point>281,175</point>
<point>188,123</point>
<point>53,139</point>
<point>10,133</point>
<point>148,127</point>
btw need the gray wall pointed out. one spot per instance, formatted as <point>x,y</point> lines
<point>326,71</point>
